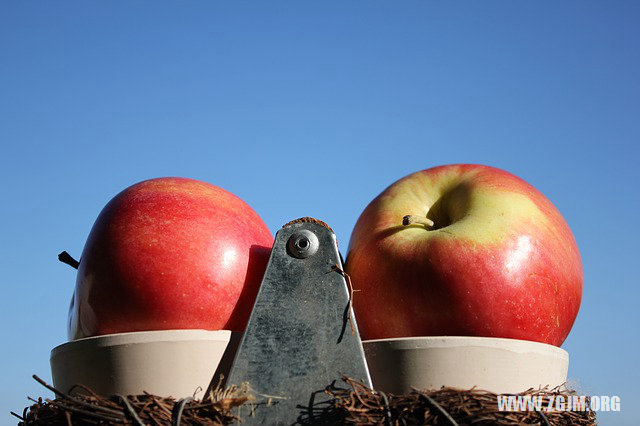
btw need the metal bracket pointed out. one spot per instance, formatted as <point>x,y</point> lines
<point>298,339</point>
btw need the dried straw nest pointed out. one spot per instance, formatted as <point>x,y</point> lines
<point>88,408</point>
<point>355,404</point>
<point>449,406</point>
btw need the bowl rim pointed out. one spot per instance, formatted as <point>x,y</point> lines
<point>452,342</point>
<point>142,337</point>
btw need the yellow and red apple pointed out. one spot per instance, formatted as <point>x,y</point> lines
<point>464,250</point>
<point>170,253</point>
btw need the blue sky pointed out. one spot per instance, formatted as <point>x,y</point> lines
<point>95,96</point>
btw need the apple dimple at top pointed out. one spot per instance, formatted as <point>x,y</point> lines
<point>170,253</point>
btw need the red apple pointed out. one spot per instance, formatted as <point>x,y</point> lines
<point>170,253</point>
<point>481,253</point>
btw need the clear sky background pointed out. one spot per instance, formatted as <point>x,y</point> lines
<point>95,96</point>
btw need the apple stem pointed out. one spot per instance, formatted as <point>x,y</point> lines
<point>65,257</point>
<point>411,219</point>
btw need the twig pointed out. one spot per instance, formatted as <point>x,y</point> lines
<point>16,415</point>
<point>437,406</point>
<point>77,401</point>
<point>130,410</point>
<point>176,415</point>
<point>351,291</point>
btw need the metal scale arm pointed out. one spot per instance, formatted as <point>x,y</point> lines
<point>298,339</point>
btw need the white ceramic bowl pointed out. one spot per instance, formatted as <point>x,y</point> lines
<point>496,365</point>
<point>165,363</point>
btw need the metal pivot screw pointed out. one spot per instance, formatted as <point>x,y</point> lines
<point>302,244</point>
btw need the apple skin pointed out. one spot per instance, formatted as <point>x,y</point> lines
<point>500,260</point>
<point>170,253</point>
